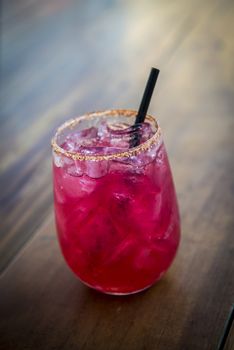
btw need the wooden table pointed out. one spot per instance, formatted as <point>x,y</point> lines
<point>61,58</point>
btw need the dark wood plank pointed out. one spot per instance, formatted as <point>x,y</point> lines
<point>230,340</point>
<point>42,305</point>
<point>227,337</point>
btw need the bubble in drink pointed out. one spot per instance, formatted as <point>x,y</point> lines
<point>117,219</point>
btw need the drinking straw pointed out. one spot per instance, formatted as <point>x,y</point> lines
<point>145,102</point>
<point>142,111</point>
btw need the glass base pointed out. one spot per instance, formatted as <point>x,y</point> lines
<point>123,293</point>
<point>127,293</point>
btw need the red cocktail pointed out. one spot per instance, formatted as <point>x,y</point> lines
<point>115,205</point>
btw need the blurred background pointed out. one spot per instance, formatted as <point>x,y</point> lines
<point>61,58</point>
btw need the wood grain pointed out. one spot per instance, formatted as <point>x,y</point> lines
<point>62,58</point>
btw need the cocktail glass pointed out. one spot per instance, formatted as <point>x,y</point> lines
<point>116,210</point>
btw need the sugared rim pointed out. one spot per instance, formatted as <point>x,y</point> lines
<point>109,113</point>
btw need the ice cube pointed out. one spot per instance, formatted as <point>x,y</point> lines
<point>133,164</point>
<point>76,187</point>
<point>103,131</point>
<point>58,160</point>
<point>90,150</point>
<point>124,249</point>
<point>146,132</point>
<point>151,153</point>
<point>95,232</point>
<point>161,155</point>
<point>76,168</point>
<point>119,144</point>
<point>89,133</point>
<point>151,258</point>
<point>169,230</point>
<point>86,185</point>
<point>74,141</point>
<point>116,166</point>
<point>59,192</point>
<point>96,169</point>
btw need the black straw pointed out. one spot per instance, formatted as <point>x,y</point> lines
<point>145,102</point>
<point>142,111</point>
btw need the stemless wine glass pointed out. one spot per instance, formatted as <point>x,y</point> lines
<point>116,209</point>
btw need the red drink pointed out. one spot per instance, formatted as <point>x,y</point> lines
<point>117,216</point>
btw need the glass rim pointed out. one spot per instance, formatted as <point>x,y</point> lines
<point>115,155</point>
